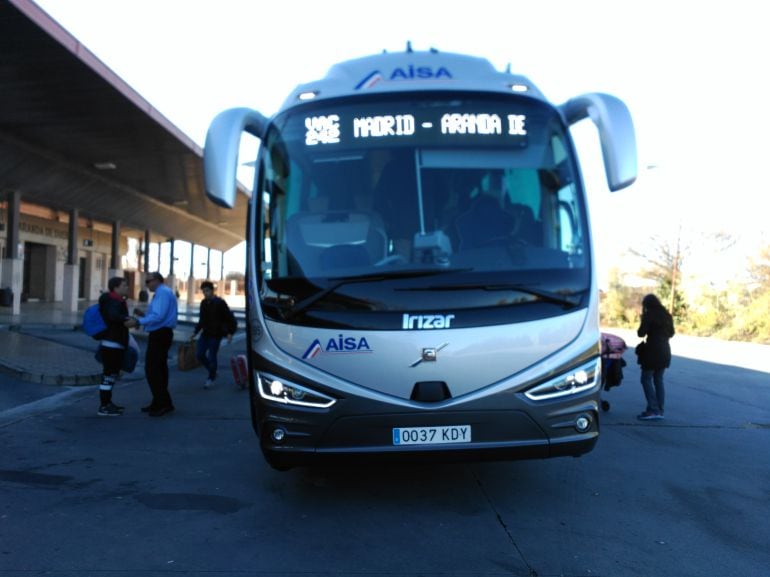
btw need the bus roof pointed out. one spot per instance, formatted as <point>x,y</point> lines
<point>409,71</point>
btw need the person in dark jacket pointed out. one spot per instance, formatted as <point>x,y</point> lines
<point>654,354</point>
<point>215,321</point>
<point>114,341</point>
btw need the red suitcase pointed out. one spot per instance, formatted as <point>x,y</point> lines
<point>240,370</point>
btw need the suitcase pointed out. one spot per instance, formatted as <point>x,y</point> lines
<point>240,370</point>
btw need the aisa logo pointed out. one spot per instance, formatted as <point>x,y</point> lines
<point>410,72</point>
<point>341,344</point>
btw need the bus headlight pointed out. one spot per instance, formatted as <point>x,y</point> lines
<point>578,380</point>
<point>279,390</point>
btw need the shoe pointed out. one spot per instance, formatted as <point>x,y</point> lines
<point>208,384</point>
<point>148,408</point>
<point>118,407</point>
<point>109,410</point>
<point>648,416</point>
<point>160,411</point>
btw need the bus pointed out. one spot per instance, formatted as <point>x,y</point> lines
<point>420,272</point>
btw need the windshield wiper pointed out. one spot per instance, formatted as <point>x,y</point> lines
<point>342,281</point>
<point>548,296</point>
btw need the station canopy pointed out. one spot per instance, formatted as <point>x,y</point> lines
<point>73,135</point>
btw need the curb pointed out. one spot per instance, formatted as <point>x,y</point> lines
<point>82,373</point>
<point>42,379</point>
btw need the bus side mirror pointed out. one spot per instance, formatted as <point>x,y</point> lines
<point>616,132</point>
<point>220,153</point>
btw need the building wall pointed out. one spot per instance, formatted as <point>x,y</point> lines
<point>46,272</point>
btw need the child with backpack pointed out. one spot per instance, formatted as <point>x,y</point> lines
<point>114,342</point>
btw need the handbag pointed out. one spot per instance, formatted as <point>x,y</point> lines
<point>186,358</point>
<point>640,350</point>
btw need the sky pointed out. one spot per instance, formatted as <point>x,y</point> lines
<point>692,74</point>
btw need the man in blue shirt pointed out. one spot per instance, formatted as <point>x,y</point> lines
<point>159,321</point>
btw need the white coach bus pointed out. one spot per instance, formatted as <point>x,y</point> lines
<point>420,273</point>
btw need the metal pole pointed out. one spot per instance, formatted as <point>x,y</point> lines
<point>171,266</point>
<point>12,234</point>
<point>72,244</point>
<point>146,251</point>
<point>192,261</point>
<point>115,248</point>
<point>675,270</point>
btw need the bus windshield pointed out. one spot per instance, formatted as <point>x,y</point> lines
<point>425,200</point>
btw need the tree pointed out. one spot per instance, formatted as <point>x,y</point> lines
<point>619,304</point>
<point>664,265</point>
<point>665,262</point>
<point>710,312</point>
<point>759,268</point>
<point>753,320</point>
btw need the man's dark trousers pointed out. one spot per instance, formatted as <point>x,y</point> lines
<point>156,366</point>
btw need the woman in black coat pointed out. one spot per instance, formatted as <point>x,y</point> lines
<point>654,354</point>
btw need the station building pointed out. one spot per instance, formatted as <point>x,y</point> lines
<point>94,181</point>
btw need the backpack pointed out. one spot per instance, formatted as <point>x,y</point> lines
<point>232,322</point>
<point>612,372</point>
<point>93,322</point>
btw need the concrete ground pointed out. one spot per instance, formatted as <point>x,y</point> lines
<point>43,352</point>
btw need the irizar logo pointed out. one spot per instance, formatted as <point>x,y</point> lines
<point>341,344</point>
<point>410,322</point>
<point>410,72</point>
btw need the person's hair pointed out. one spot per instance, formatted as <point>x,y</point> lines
<point>207,285</point>
<point>654,311</point>
<point>652,302</point>
<point>155,275</point>
<point>115,282</point>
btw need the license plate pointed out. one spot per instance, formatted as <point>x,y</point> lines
<point>432,435</point>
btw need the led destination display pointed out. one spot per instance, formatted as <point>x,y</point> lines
<point>430,128</point>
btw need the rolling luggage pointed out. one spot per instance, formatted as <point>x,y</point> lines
<point>612,350</point>
<point>240,370</point>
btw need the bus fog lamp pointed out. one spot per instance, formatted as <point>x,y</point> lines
<point>583,423</point>
<point>278,435</point>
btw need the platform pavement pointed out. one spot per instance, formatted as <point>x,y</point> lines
<point>45,344</point>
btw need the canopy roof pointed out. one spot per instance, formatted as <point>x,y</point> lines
<point>74,135</point>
